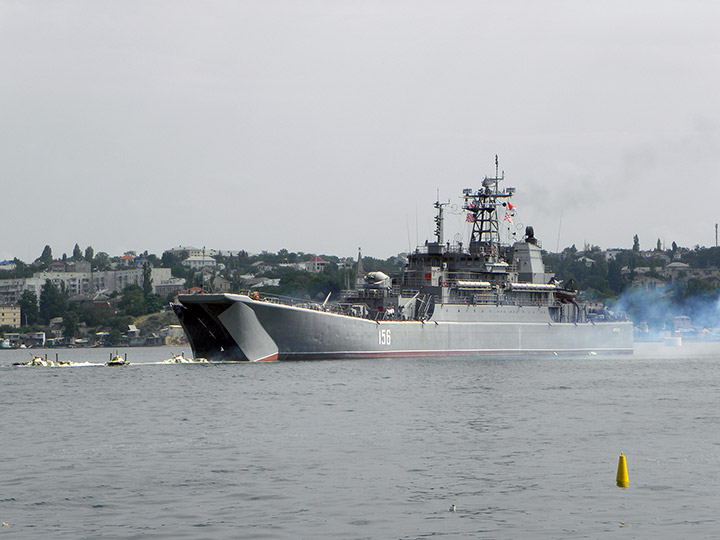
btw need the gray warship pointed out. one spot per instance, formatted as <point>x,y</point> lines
<point>484,299</point>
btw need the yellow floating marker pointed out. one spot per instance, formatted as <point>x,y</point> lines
<point>622,475</point>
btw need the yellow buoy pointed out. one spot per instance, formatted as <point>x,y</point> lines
<point>622,475</point>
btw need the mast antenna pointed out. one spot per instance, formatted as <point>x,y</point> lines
<point>439,220</point>
<point>557,247</point>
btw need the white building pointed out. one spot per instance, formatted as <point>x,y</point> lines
<point>7,265</point>
<point>196,262</point>
<point>315,265</point>
<point>183,252</point>
<point>81,283</point>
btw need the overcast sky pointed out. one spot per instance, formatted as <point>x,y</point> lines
<point>322,126</point>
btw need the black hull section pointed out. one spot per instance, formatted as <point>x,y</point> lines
<point>206,334</point>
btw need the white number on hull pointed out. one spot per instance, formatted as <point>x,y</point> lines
<point>384,336</point>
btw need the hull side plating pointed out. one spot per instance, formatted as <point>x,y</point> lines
<point>235,327</point>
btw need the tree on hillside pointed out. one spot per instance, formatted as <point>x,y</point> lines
<point>636,243</point>
<point>28,303</point>
<point>21,270</point>
<point>70,325</point>
<point>89,253</point>
<point>133,301</point>
<point>147,283</point>
<point>91,315</point>
<point>47,257</point>
<point>77,253</point>
<point>102,261</point>
<point>53,302</point>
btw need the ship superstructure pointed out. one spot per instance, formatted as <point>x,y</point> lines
<point>485,273</point>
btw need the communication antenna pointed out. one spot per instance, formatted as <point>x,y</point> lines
<point>716,235</point>
<point>407,224</point>
<point>557,248</point>
<point>439,221</point>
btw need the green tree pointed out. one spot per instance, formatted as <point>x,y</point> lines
<point>147,284</point>
<point>636,243</point>
<point>102,261</point>
<point>133,301</point>
<point>114,336</point>
<point>89,253</point>
<point>77,253</point>
<point>21,270</point>
<point>70,325</point>
<point>47,257</point>
<point>28,303</point>
<point>92,315</point>
<point>153,303</point>
<point>53,302</point>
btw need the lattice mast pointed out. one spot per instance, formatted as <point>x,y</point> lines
<point>482,207</point>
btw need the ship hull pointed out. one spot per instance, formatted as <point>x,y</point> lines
<point>234,327</point>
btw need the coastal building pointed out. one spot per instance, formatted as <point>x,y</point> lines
<point>676,270</point>
<point>10,316</point>
<point>81,283</point>
<point>127,260</point>
<point>35,339</point>
<point>196,262</point>
<point>680,271</point>
<point>183,252</point>
<point>7,265</point>
<point>612,254</point>
<point>167,287</point>
<point>10,290</point>
<point>220,284</point>
<point>261,266</point>
<point>172,334</point>
<point>315,265</point>
<point>587,261</point>
<point>294,266</point>
<point>78,266</point>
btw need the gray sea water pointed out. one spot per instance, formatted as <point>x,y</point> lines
<point>371,449</point>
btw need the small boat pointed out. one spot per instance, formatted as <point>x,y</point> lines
<point>117,360</point>
<point>36,361</point>
<point>181,359</point>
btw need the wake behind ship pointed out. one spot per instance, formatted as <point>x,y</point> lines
<point>486,298</point>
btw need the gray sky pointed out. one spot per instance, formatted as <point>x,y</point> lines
<point>321,126</point>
